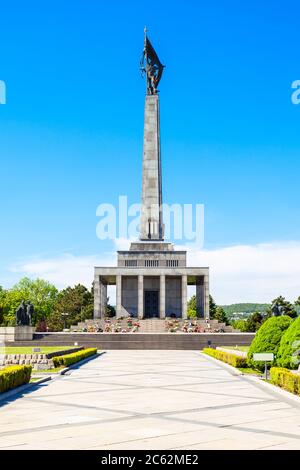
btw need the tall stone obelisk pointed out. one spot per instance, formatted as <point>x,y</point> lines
<point>151,226</point>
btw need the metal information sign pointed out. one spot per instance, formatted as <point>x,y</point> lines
<point>264,357</point>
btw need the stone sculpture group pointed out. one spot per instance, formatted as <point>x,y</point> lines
<point>24,314</point>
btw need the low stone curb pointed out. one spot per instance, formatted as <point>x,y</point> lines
<point>231,369</point>
<point>4,396</point>
<point>258,381</point>
<point>14,391</point>
<point>80,363</point>
<point>274,389</point>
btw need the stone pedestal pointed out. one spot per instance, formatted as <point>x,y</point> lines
<point>16,333</point>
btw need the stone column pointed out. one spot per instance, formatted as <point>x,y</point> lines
<point>103,289</point>
<point>162,297</point>
<point>151,226</point>
<point>184,296</point>
<point>206,297</point>
<point>140,296</point>
<point>118,295</point>
<point>97,300</point>
<point>200,296</point>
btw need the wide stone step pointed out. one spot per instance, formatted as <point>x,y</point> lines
<point>106,341</point>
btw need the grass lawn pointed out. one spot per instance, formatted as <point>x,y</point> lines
<point>250,371</point>
<point>29,350</point>
<point>48,371</point>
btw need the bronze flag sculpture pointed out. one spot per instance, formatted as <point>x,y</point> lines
<point>151,66</point>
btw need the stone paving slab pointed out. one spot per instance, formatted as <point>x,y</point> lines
<point>150,400</point>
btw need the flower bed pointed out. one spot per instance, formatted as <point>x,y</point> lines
<point>232,359</point>
<point>14,376</point>
<point>285,379</point>
<point>70,359</point>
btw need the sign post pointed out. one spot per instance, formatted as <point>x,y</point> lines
<point>264,357</point>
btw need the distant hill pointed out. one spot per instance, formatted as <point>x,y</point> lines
<point>244,308</point>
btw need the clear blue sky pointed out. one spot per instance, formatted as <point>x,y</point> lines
<point>71,131</point>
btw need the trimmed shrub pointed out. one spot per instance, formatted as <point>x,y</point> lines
<point>285,379</point>
<point>70,359</point>
<point>229,358</point>
<point>267,339</point>
<point>288,352</point>
<point>14,376</point>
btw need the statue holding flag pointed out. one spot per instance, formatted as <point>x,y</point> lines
<point>151,66</point>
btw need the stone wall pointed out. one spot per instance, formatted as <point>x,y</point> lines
<point>38,361</point>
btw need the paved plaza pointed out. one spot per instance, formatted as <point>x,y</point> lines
<point>150,400</point>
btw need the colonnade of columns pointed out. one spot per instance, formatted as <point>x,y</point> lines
<point>202,297</point>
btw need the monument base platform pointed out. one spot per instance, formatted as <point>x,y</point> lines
<point>16,333</point>
<point>108,341</point>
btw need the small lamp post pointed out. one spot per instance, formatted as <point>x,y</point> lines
<point>64,315</point>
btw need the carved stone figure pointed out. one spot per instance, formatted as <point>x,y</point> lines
<point>21,314</point>
<point>24,314</point>
<point>30,312</point>
<point>277,310</point>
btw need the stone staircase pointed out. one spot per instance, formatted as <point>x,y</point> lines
<point>152,325</point>
<point>107,341</point>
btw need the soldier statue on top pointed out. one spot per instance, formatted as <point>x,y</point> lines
<point>151,66</point>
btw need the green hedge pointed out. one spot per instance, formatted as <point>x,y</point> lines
<point>232,359</point>
<point>288,352</point>
<point>14,376</point>
<point>70,359</point>
<point>285,379</point>
<point>267,338</point>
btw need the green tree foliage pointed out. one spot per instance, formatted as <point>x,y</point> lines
<point>254,322</point>
<point>268,337</point>
<point>212,307</point>
<point>77,302</point>
<point>289,349</point>
<point>241,325</point>
<point>191,307</point>
<point>287,307</point>
<point>2,300</point>
<point>244,308</point>
<point>251,324</point>
<point>221,316</point>
<point>41,293</point>
<point>110,311</point>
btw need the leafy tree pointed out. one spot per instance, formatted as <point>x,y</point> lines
<point>110,311</point>
<point>241,325</point>
<point>221,316</point>
<point>41,293</point>
<point>297,305</point>
<point>254,322</point>
<point>289,349</point>
<point>212,307</point>
<point>55,322</point>
<point>287,307</point>
<point>77,302</point>
<point>268,338</point>
<point>192,307</point>
<point>2,302</point>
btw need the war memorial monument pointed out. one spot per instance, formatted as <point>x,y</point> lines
<point>151,278</point>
